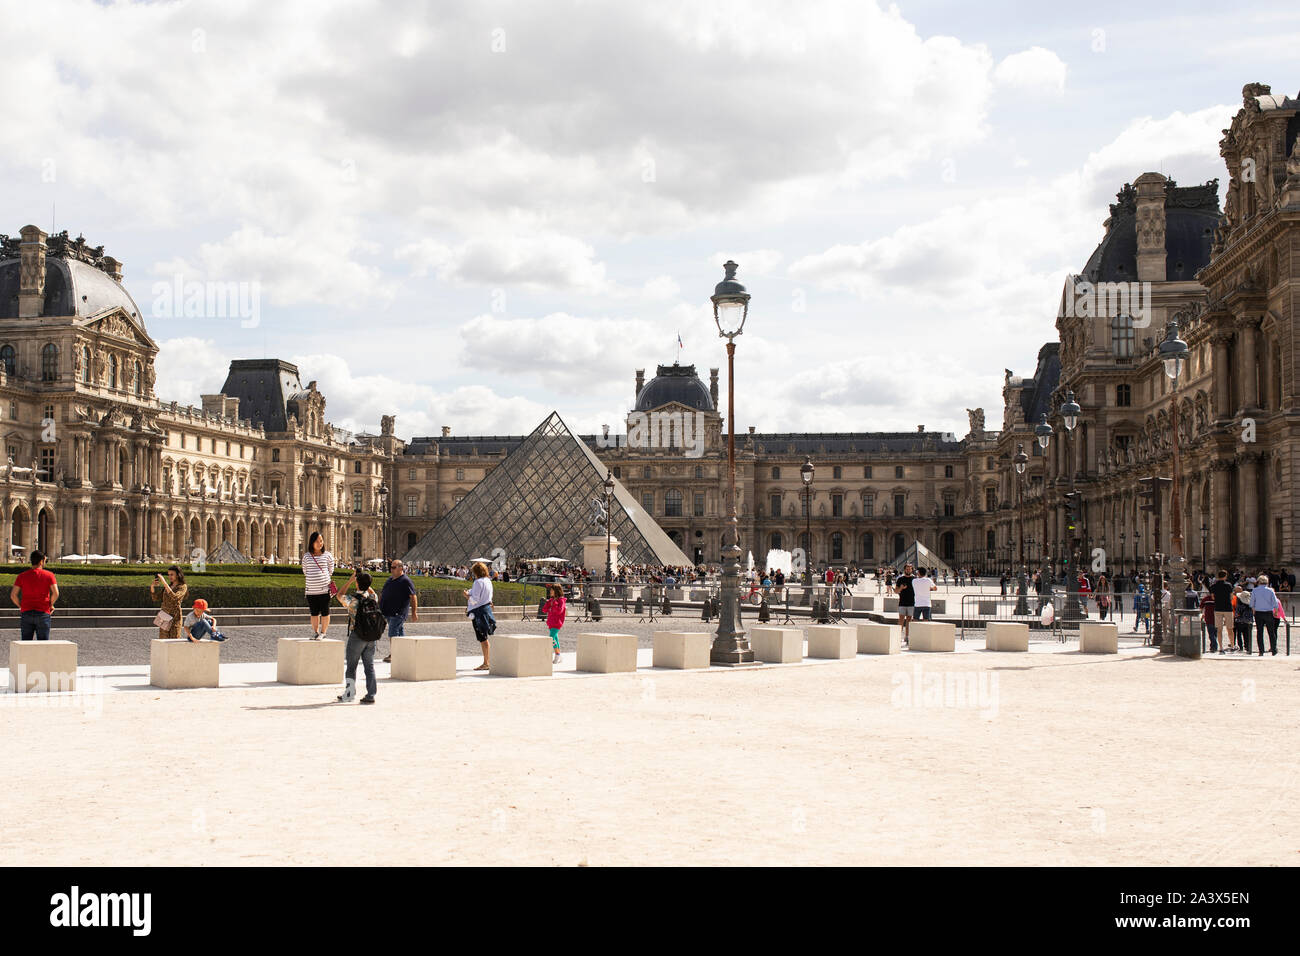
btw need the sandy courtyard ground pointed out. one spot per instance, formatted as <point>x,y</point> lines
<point>975,757</point>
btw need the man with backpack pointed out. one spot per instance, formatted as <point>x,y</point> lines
<point>366,624</point>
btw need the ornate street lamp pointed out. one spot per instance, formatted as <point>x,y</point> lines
<point>1205,534</point>
<point>730,309</point>
<point>609,521</point>
<point>383,521</point>
<point>806,474</point>
<point>1173,352</point>
<point>1122,552</point>
<point>1021,460</point>
<point>1043,435</point>
<point>145,492</point>
<point>1069,412</point>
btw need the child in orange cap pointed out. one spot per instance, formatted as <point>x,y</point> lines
<point>200,624</point>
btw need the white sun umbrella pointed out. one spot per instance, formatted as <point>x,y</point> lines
<point>73,557</point>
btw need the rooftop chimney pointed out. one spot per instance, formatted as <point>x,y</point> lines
<point>31,273</point>
<point>713,387</point>
<point>113,267</point>
<point>446,431</point>
<point>1151,227</point>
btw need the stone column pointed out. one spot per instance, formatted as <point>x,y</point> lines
<point>1248,361</point>
<point>1222,375</point>
<point>1248,502</point>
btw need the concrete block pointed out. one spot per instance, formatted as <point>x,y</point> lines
<point>988,608</point>
<point>425,658</point>
<point>698,595</point>
<point>521,655</point>
<point>1006,636</point>
<point>682,650</point>
<point>606,653</point>
<point>832,641</point>
<point>931,636</point>
<point>939,605</point>
<point>180,663</point>
<point>860,603</point>
<point>879,639</point>
<point>777,645</point>
<point>891,605</point>
<point>676,594</point>
<point>1098,638</point>
<point>39,666</point>
<point>300,660</point>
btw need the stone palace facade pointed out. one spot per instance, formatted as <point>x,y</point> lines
<point>97,463</point>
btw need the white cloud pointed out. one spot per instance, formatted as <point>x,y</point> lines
<point>189,367</point>
<point>1035,71</point>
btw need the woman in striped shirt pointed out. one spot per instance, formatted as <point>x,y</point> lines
<point>318,568</point>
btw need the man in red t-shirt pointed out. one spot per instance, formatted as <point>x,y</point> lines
<point>34,593</point>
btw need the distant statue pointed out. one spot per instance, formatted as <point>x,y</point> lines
<point>976,416</point>
<point>599,516</point>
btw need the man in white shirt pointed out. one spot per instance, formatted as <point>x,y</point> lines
<point>921,588</point>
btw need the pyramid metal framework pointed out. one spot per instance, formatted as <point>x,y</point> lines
<point>538,503</point>
<point>919,556</point>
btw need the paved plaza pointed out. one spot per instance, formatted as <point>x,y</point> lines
<point>973,757</point>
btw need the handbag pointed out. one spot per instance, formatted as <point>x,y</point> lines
<point>163,620</point>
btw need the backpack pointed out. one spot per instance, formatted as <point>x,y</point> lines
<point>368,622</point>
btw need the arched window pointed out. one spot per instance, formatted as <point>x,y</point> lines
<point>50,363</point>
<point>869,545</point>
<point>699,471</point>
<point>112,371</point>
<point>85,364</point>
<point>1121,335</point>
<point>137,378</point>
<point>673,503</point>
<point>410,540</point>
<point>7,356</point>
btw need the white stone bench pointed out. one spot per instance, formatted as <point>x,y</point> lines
<point>300,660</point>
<point>832,641</point>
<point>939,605</point>
<point>425,658</point>
<point>931,636</point>
<point>1098,638</point>
<point>521,655</point>
<point>1006,636</point>
<point>891,605</point>
<point>777,645</point>
<point>879,639</point>
<point>860,603</point>
<point>39,666</point>
<point>676,594</point>
<point>606,653</point>
<point>682,650</point>
<point>177,663</point>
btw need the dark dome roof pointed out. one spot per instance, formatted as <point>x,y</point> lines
<point>1191,214</point>
<point>674,383</point>
<point>72,288</point>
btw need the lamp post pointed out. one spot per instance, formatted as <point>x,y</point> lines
<point>145,492</point>
<point>609,516</point>
<point>383,521</point>
<point>1069,413</point>
<point>1205,534</point>
<point>730,309</point>
<point>1043,435</point>
<point>1122,552</point>
<point>806,474</point>
<point>1022,590</point>
<point>1173,352</point>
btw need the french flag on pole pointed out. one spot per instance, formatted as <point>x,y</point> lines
<point>679,341</point>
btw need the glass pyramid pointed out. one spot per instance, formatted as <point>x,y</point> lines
<point>537,503</point>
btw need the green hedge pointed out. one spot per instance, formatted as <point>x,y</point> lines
<point>226,595</point>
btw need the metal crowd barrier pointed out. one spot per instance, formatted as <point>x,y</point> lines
<point>977,610</point>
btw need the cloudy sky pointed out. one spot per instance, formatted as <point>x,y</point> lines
<point>470,213</point>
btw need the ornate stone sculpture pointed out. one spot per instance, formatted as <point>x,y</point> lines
<point>599,517</point>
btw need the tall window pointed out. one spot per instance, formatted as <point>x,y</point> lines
<point>648,502</point>
<point>868,505</point>
<point>900,506</point>
<point>949,503</point>
<point>356,502</point>
<point>868,545</point>
<point>50,363</point>
<point>412,506</point>
<point>411,475</point>
<point>1123,395</point>
<point>866,471</point>
<point>1121,336</point>
<point>776,472</point>
<point>699,505</point>
<point>990,499</point>
<point>112,371</point>
<point>645,472</point>
<point>898,471</point>
<point>275,452</point>
<point>837,472</point>
<point>837,506</point>
<point>673,504</point>
<point>7,356</point>
<point>356,542</point>
<point>47,464</point>
<point>460,473</point>
<point>137,380</point>
<point>837,547</point>
<point>775,541</point>
<point>947,471</point>
<point>775,500</point>
<point>85,364</point>
<point>699,471</point>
